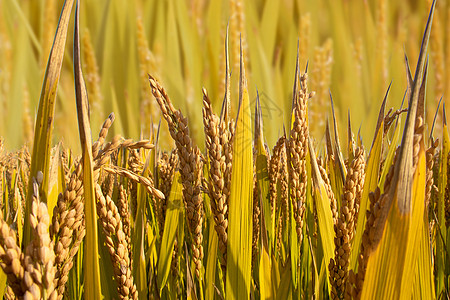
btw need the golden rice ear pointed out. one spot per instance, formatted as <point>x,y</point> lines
<point>117,244</point>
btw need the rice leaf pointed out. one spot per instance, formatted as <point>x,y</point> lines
<point>40,159</point>
<point>139,257</point>
<point>395,256</point>
<point>265,275</point>
<point>350,140</point>
<point>262,175</point>
<point>324,215</point>
<point>394,260</point>
<point>390,156</point>
<point>211,261</point>
<point>55,184</point>
<point>91,264</point>
<point>370,184</point>
<point>2,283</point>
<point>239,250</point>
<point>405,160</point>
<point>284,290</point>
<point>423,286</point>
<point>340,165</point>
<point>174,205</point>
<point>150,257</point>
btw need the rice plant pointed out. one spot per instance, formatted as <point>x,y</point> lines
<point>191,193</point>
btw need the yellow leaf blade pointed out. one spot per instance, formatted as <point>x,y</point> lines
<point>324,215</point>
<point>44,121</point>
<point>91,264</point>
<point>240,226</point>
<point>391,267</point>
<point>174,205</point>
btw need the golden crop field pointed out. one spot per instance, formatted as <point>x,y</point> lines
<point>192,149</point>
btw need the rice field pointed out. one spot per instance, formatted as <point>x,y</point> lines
<point>224,150</point>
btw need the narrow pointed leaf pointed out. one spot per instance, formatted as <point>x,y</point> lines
<point>324,215</point>
<point>424,279</point>
<point>262,174</point>
<point>174,205</point>
<point>370,184</point>
<point>396,256</point>
<point>239,249</point>
<point>265,275</point>
<point>92,285</point>
<point>211,262</point>
<point>400,219</point>
<point>40,159</point>
<point>338,153</point>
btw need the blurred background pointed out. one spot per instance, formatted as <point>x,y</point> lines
<point>353,49</point>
